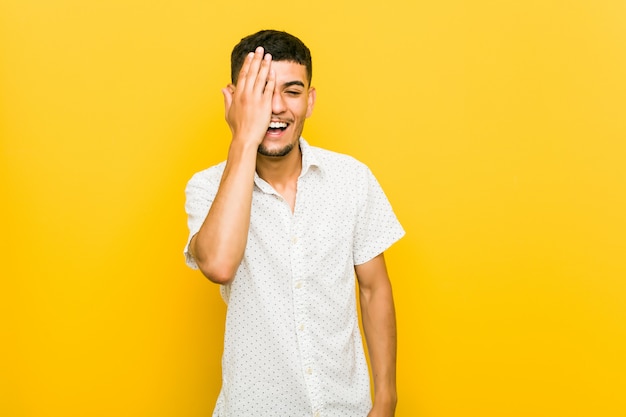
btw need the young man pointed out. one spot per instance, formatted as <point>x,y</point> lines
<point>283,226</point>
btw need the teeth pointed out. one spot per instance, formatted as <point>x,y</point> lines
<point>278,125</point>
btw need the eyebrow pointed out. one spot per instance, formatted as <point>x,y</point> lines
<point>290,83</point>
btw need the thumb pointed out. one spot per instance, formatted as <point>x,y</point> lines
<point>228,99</point>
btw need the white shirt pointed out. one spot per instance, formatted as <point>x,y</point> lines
<point>292,346</point>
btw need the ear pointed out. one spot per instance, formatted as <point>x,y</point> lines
<point>311,101</point>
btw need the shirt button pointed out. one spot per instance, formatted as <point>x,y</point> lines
<point>294,240</point>
<point>299,284</point>
<point>317,414</point>
<point>301,327</point>
<point>309,371</point>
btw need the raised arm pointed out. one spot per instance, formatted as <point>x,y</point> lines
<point>379,326</point>
<point>219,245</point>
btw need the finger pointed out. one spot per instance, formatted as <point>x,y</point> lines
<point>271,83</point>
<point>245,68</point>
<point>253,70</point>
<point>262,77</point>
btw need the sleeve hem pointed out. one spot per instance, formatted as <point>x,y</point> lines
<point>378,249</point>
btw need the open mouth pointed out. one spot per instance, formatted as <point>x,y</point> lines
<point>277,127</point>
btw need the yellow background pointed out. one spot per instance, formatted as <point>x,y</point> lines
<point>496,128</point>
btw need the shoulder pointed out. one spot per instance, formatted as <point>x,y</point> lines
<point>207,178</point>
<point>335,162</point>
<point>344,176</point>
<point>209,173</point>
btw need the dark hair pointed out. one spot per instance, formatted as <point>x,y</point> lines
<point>281,45</point>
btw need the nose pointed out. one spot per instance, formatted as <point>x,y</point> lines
<point>278,103</point>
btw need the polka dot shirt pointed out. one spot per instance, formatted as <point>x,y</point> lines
<point>292,345</point>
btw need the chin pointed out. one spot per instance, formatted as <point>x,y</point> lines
<point>277,152</point>
<point>277,147</point>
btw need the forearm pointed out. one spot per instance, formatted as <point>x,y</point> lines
<point>219,245</point>
<point>379,326</point>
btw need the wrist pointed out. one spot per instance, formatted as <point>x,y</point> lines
<point>245,141</point>
<point>387,398</point>
<point>241,148</point>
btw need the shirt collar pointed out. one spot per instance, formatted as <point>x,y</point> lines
<point>309,157</point>
<point>309,161</point>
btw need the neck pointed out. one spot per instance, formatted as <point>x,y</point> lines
<point>280,172</point>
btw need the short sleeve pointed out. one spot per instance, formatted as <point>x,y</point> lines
<point>199,195</point>
<point>377,227</point>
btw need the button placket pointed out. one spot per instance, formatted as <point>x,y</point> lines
<point>299,291</point>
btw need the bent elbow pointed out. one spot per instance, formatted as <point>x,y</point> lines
<point>217,266</point>
<point>218,274</point>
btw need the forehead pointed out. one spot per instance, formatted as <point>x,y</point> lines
<point>288,71</point>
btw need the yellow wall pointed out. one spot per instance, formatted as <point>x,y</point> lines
<point>497,129</point>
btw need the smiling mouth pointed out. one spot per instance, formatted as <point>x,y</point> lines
<point>276,127</point>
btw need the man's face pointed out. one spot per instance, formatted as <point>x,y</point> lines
<point>292,103</point>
